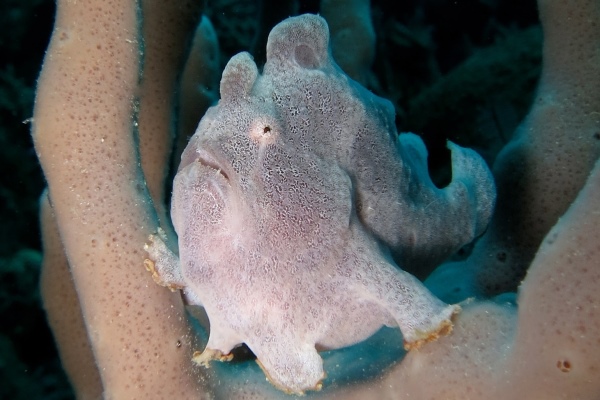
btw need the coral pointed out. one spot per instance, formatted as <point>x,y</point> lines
<point>352,36</point>
<point>83,131</point>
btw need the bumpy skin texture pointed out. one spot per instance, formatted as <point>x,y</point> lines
<point>292,201</point>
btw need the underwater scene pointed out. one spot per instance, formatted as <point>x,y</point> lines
<point>333,199</point>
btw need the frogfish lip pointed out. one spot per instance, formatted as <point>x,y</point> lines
<point>205,159</point>
<point>200,183</point>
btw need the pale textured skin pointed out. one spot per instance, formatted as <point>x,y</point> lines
<point>293,202</point>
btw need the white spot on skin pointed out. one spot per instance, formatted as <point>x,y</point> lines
<point>263,131</point>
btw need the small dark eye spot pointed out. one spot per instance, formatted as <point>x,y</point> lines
<point>263,131</point>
